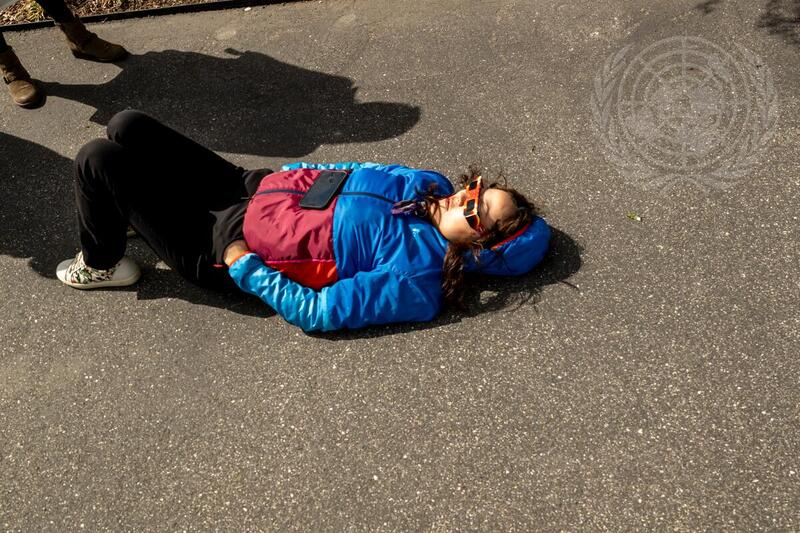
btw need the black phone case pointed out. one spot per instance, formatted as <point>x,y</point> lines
<point>323,190</point>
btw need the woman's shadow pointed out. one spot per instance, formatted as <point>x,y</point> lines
<point>246,103</point>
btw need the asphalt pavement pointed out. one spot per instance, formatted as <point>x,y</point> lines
<point>644,377</point>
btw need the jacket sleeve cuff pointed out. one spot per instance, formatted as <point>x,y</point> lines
<point>242,254</point>
<point>243,265</point>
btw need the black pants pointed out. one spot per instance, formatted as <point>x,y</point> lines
<point>171,190</point>
<point>55,9</point>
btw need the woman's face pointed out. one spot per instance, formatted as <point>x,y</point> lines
<point>495,205</point>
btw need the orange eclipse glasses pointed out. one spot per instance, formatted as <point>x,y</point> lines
<point>473,189</point>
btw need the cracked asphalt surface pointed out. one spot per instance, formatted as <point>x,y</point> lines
<point>645,377</point>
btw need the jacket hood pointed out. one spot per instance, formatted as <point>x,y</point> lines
<point>516,255</point>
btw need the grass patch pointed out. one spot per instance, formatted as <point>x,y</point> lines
<point>30,11</point>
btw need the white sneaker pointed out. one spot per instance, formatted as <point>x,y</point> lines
<point>76,273</point>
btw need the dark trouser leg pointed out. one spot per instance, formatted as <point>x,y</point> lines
<point>100,194</point>
<point>165,185</point>
<point>3,44</point>
<point>188,162</point>
<point>56,10</point>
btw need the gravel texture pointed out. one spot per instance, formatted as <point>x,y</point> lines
<point>651,382</point>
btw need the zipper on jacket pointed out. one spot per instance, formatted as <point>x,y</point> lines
<point>344,193</point>
<point>370,194</point>
<point>268,191</point>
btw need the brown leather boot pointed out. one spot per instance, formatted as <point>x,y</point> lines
<point>23,90</point>
<point>86,45</point>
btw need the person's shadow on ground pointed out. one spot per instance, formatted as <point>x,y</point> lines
<point>37,212</point>
<point>247,103</point>
<point>782,17</point>
<point>778,17</point>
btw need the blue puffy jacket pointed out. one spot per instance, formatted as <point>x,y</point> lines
<point>388,267</point>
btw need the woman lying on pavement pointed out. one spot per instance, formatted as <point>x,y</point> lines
<point>371,244</point>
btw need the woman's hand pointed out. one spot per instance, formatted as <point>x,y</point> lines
<point>234,251</point>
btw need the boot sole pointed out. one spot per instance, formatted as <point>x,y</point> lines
<point>81,55</point>
<point>30,105</point>
<point>33,103</point>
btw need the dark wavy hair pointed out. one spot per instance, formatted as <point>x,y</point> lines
<point>453,279</point>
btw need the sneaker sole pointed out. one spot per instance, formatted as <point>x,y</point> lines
<point>130,280</point>
<point>104,284</point>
